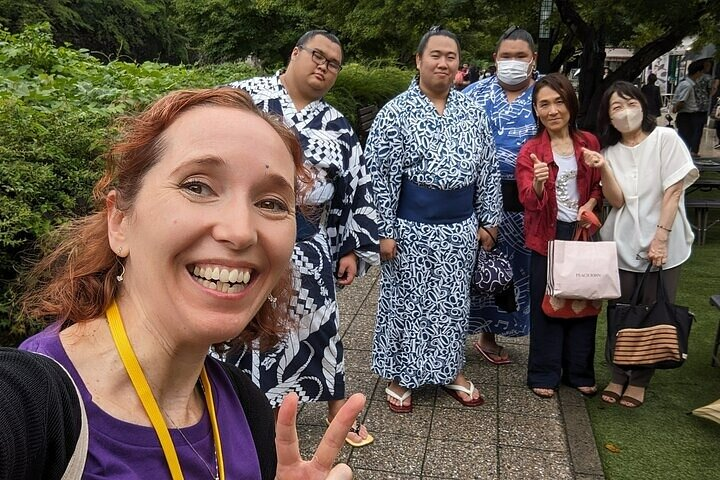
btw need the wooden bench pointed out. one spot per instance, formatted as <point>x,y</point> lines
<point>702,207</point>
<point>715,302</point>
<point>366,115</point>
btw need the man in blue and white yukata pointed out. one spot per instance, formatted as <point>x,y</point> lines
<point>337,244</point>
<point>436,180</point>
<point>506,99</point>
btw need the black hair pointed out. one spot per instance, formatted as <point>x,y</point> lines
<point>434,31</point>
<point>559,83</point>
<point>696,66</point>
<point>307,36</point>
<point>609,135</point>
<point>516,33</point>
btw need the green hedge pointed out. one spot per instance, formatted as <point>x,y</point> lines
<point>56,110</point>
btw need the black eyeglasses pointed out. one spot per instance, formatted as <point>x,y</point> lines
<point>321,59</point>
<point>509,32</point>
<point>435,28</point>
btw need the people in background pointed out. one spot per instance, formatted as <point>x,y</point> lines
<point>690,120</point>
<point>556,187</point>
<point>436,182</point>
<point>336,236</point>
<point>188,248</point>
<point>506,99</point>
<point>647,219</point>
<point>652,95</point>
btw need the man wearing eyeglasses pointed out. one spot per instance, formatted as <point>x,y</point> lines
<point>336,244</point>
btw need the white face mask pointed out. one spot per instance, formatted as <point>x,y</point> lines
<point>628,119</point>
<point>512,72</point>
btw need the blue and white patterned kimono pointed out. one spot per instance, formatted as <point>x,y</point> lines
<point>512,124</point>
<point>424,300</point>
<point>309,361</point>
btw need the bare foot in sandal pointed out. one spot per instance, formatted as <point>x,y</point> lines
<point>358,436</point>
<point>399,398</point>
<point>543,392</point>
<point>612,393</point>
<point>633,397</point>
<point>493,353</point>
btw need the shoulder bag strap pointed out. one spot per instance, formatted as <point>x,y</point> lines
<point>76,464</point>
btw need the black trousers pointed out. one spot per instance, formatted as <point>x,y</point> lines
<point>561,350</point>
<point>690,128</point>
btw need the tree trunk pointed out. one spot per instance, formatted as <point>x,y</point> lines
<point>566,51</point>
<point>592,60</point>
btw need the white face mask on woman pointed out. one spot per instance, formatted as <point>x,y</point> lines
<point>512,72</point>
<point>628,119</point>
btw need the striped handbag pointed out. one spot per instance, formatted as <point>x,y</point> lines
<point>649,336</point>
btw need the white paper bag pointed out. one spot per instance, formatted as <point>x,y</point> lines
<point>583,270</point>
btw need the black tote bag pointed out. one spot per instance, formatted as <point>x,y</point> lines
<point>648,336</point>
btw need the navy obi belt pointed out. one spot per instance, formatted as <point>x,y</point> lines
<point>305,229</point>
<point>428,205</point>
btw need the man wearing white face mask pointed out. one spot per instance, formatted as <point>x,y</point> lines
<point>690,120</point>
<point>507,99</point>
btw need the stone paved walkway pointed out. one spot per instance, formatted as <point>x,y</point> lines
<point>515,435</point>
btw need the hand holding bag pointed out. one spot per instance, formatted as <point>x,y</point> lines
<point>493,271</point>
<point>583,270</point>
<point>566,308</point>
<point>650,336</point>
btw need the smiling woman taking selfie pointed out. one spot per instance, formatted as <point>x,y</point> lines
<point>189,247</point>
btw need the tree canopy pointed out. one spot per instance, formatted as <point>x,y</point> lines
<point>372,31</point>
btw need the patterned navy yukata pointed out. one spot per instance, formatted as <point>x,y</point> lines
<point>309,361</point>
<point>424,300</point>
<point>512,125</point>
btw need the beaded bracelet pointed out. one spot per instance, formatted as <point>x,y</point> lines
<point>664,228</point>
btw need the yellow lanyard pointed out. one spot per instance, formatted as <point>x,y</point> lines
<point>134,371</point>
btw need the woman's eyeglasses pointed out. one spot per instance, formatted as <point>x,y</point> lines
<point>321,59</point>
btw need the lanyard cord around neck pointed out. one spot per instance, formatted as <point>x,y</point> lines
<point>134,371</point>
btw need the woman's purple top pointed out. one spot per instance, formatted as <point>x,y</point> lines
<point>125,451</point>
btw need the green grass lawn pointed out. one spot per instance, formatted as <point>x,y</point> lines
<point>661,440</point>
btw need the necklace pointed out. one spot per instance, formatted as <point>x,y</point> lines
<point>563,149</point>
<point>152,409</point>
<point>212,475</point>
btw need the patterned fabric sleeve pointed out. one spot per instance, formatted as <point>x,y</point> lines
<point>488,199</point>
<point>352,219</point>
<point>384,151</point>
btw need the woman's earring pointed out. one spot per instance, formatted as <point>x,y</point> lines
<point>272,300</point>
<point>120,277</point>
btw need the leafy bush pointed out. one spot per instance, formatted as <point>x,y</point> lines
<point>358,85</point>
<point>56,108</point>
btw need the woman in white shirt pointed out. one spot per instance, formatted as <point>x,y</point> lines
<point>645,170</point>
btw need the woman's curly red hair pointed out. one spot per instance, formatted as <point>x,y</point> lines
<point>76,282</point>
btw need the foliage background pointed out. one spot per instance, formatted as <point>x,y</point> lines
<point>57,107</point>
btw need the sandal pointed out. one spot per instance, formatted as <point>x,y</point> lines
<point>545,393</point>
<point>610,397</point>
<point>402,408</point>
<point>489,354</point>
<point>453,389</point>
<point>630,402</point>
<point>614,397</point>
<point>588,391</point>
<point>356,430</point>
